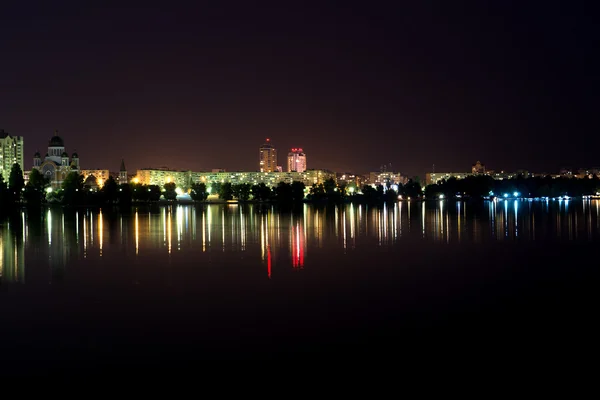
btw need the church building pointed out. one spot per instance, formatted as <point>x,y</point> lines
<point>56,164</point>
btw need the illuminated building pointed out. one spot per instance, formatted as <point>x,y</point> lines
<point>56,165</point>
<point>184,179</point>
<point>101,175</point>
<point>478,168</point>
<point>436,177</point>
<point>268,157</point>
<point>350,180</point>
<point>11,152</point>
<point>296,161</point>
<point>122,173</point>
<point>387,179</point>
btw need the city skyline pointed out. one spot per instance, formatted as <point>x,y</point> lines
<point>284,164</point>
<point>360,86</point>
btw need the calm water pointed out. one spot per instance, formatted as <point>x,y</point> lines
<point>240,281</point>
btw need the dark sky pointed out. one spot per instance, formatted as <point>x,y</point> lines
<point>355,84</point>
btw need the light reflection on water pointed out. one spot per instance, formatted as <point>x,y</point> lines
<point>282,239</point>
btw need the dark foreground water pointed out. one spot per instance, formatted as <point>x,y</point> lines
<point>155,288</point>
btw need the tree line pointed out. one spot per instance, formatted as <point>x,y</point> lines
<point>75,191</point>
<point>484,186</point>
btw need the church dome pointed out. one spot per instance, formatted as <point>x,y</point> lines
<point>75,155</point>
<point>37,155</point>
<point>56,141</point>
<point>64,154</point>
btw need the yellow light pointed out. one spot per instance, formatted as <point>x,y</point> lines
<point>168,179</point>
<point>100,183</point>
<point>136,180</point>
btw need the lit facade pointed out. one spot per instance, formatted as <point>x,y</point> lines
<point>478,168</point>
<point>387,178</point>
<point>11,152</point>
<point>184,179</point>
<point>101,175</point>
<point>349,179</point>
<point>56,164</point>
<point>436,177</point>
<point>296,161</point>
<point>122,178</point>
<point>268,157</point>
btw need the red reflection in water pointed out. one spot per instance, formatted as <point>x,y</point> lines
<point>269,261</point>
<point>298,247</point>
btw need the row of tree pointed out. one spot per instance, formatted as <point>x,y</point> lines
<point>77,191</point>
<point>483,186</point>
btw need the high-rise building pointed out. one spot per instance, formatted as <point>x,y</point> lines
<point>296,161</point>
<point>11,152</point>
<point>268,157</point>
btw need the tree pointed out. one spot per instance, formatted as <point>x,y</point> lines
<point>154,193</point>
<point>110,190</point>
<point>170,193</point>
<point>370,194</point>
<point>124,196</point>
<point>199,192</point>
<point>139,192</point>
<point>242,191</point>
<point>413,189</point>
<point>317,192</point>
<point>35,190</point>
<point>215,188</point>
<point>226,191</point>
<point>283,193</point>
<point>16,183</point>
<point>4,194</point>
<point>298,191</point>
<point>261,192</point>
<point>72,188</point>
<point>390,196</point>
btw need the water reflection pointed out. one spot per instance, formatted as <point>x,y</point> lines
<point>277,240</point>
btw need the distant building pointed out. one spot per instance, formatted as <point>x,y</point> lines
<point>122,179</point>
<point>387,179</point>
<point>350,180</point>
<point>268,157</point>
<point>478,168</point>
<point>436,177</point>
<point>99,175</point>
<point>56,164</point>
<point>296,160</point>
<point>11,152</point>
<point>184,179</point>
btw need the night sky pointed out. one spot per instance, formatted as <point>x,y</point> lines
<point>356,86</point>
